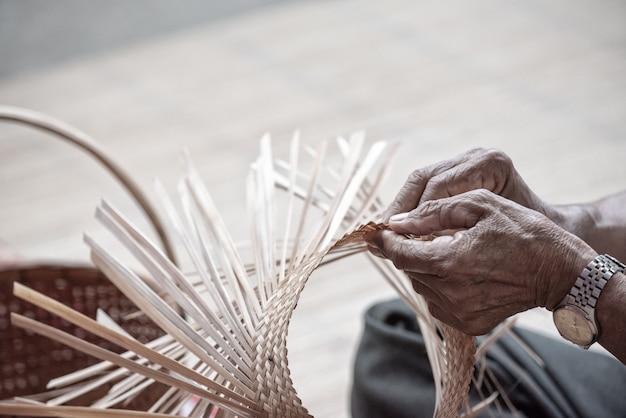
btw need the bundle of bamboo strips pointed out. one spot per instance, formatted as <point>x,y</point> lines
<point>227,355</point>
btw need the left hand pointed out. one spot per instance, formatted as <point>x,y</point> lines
<point>503,258</point>
<point>475,169</point>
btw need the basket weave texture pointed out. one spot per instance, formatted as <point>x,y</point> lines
<point>240,366</point>
<point>29,360</point>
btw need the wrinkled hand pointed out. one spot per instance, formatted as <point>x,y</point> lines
<point>503,258</point>
<point>479,168</point>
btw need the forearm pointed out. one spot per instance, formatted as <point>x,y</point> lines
<point>601,224</point>
<point>610,314</point>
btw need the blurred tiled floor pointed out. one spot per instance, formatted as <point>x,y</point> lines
<point>544,81</point>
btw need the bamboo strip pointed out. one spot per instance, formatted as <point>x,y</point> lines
<point>234,355</point>
<point>212,218</point>
<point>156,309</point>
<point>162,404</point>
<point>237,279</point>
<point>72,411</point>
<point>133,385</point>
<point>349,166</point>
<point>348,194</point>
<point>91,349</point>
<point>372,193</point>
<point>495,335</point>
<point>104,319</point>
<point>308,202</point>
<point>101,367</point>
<point>265,214</point>
<point>210,277</point>
<point>162,270</point>
<point>302,193</point>
<point>293,160</point>
<point>117,338</point>
<point>264,288</point>
<point>86,387</point>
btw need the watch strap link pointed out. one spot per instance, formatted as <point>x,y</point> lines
<point>589,284</point>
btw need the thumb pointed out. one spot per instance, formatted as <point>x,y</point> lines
<point>457,212</point>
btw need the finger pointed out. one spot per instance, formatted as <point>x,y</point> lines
<point>381,242</point>
<point>375,251</point>
<point>374,239</point>
<point>484,169</point>
<point>414,256</point>
<point>411,192</point>
<point>457,212</point>
<point>421,286</point>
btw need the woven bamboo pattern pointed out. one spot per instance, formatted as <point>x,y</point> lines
<point>226,355</point>
<point>29,361</point>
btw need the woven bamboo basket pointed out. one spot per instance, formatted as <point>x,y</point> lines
<point>227,354</point>
<point>29,360</point>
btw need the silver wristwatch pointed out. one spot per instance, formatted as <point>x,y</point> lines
<point>575,317</point>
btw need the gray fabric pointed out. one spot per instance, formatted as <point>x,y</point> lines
<point>392,376</point>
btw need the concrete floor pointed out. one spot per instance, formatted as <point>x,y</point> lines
<point>543,81</point>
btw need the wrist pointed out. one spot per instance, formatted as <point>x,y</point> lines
<point>610,312</point>
<point>577,317</point>
<point>577,219</point>
<point>574,256</point>
<point>613,294</point>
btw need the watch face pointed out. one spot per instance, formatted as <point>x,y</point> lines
<point>573,325</point>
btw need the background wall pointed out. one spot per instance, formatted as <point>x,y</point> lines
<point>38,33</point>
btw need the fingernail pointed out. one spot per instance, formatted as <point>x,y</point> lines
<point>399,217</point>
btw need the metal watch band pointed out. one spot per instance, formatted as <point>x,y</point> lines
<point>591,281</point>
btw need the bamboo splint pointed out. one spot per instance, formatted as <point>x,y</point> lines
<point>227,353</point>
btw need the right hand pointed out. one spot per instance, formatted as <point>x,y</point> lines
<point>502,259</point>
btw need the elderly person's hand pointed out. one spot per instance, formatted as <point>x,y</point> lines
<point>479,168</point>
<point>502,259</point>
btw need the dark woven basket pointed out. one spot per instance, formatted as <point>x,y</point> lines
<point>28,360</point>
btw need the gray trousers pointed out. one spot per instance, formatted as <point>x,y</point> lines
<point>392,376</point>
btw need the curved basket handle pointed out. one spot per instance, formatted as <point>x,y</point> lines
<point>89,145</point>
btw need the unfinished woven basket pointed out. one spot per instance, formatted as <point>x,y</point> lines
<point>227,356</point>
